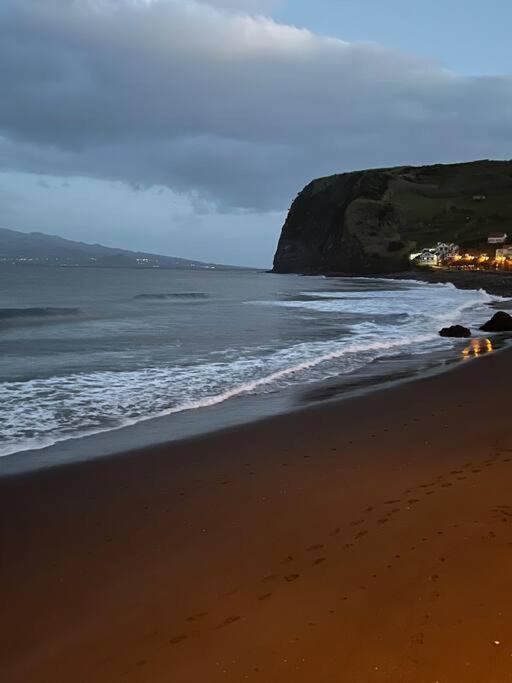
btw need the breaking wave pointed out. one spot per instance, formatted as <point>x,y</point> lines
<point>159,296</point>
<point>363,326</point>
<point>76,405</point>
<point>28,313</point>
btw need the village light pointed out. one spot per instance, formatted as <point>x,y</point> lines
<point>446,255</point>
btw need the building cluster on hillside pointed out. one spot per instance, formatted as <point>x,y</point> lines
<point>433,256</point>
<point>449,255</point>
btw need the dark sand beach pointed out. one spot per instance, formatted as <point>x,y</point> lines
<point>368,539</point>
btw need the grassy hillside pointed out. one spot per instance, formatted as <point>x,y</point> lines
<point>369,221</point>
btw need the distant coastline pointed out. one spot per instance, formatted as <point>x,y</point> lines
<point>40,249</point>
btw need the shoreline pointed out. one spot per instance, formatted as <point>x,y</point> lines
<point>363,537</point>
<point>341,388</point>
<point>358,540</point>
<point>310,398</point>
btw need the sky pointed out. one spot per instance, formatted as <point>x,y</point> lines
<point>187,128</point>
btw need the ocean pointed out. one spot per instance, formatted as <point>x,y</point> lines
<point>141,356</point>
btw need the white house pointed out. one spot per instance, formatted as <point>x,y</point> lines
<point>443,249</point>
<point>504,252</point>
<point>497,238</point>
<point>428,258</point>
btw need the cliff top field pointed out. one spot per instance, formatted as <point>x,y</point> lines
<point>370,221</point>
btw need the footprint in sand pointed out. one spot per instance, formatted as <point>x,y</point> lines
<point>229,620</point>
<point>178,639</point>
<point>320,560</point>
<point>195,617</point>
<point>291,577</point>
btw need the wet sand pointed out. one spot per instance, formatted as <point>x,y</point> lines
<point>368,539</point>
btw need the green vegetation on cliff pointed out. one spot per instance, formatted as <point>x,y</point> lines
<point>370,221</point>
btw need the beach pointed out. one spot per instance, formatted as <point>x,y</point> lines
<point>366,539</point>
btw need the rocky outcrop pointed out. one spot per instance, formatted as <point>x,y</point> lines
<point>458,331</point>
<point>500,322</point>
<point>370,221</point>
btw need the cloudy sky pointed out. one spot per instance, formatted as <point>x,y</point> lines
<point>187,128</point>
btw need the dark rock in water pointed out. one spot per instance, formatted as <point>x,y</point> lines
<point>455,331</point>
<point>368,222</point>
<point>500,322</point>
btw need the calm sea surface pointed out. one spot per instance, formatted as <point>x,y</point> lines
<point>89,351</point>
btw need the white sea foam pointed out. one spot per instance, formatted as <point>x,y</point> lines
<point>73,406</point>
<point>42,411</point>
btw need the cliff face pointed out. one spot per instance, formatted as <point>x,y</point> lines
<point>370,221</point>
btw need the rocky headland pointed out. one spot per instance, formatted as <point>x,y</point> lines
<point>368,222</point>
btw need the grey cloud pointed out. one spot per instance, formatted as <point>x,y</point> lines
<point>233,108</point>
<point>247,6</point>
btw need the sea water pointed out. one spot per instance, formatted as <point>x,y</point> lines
<point>94,351</point>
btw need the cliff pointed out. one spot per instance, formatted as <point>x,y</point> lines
<point>370,221</point>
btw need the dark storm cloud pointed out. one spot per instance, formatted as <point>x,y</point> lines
<point>232,107</point>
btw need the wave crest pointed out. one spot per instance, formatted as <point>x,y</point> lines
<point>161,296</point>
<point>28,313</point>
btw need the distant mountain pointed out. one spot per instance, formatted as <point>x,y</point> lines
<point>36,248</point>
